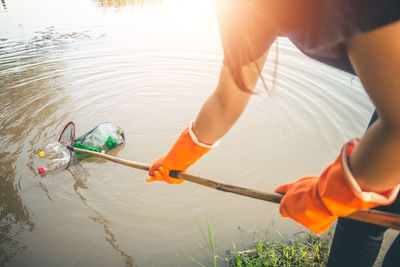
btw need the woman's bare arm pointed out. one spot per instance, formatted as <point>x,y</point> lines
<point>225,105</point>
<point>375,162</point>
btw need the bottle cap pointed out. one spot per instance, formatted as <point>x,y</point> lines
<point>42,154</point>
<point>41,170</point>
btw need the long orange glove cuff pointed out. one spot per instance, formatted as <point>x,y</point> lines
<point>316,202</point>
<point>186,150</point>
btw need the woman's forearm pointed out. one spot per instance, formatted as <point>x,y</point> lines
<point>224,107</point>
<point>375,162</point>
<point>219,112</point>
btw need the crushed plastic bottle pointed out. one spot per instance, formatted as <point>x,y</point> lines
<point>102,138</point>
<point>53,151</point>
<point>59,155</point>
<point>55,164</point>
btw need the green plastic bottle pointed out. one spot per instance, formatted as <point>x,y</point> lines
<point>102,138</point>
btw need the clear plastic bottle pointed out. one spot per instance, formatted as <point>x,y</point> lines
<point>53,151</point>
<point>55,164</point>
<point>59,155</point>
<point>104,136</point>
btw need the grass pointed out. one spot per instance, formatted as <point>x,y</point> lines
<point>306,249</point>
<point>209,249</point>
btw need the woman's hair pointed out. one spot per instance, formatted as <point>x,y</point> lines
<point>242,38</point>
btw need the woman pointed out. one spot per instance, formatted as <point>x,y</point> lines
<point>361,37</point>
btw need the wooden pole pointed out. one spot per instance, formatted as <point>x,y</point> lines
<point>386,219</point>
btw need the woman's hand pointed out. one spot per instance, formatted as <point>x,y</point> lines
<point>186,151</point>
<point>316,202</point>
<point>159,171</point>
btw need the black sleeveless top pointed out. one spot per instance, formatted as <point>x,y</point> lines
<point>319,28</point>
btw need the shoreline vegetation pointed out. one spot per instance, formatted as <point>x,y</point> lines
<point>305,249</point>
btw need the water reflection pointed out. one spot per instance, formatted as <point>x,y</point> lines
<point>30,83</point>
<point>14,216</point>
<point>50,37</point>
<point>123,3</point>
<point>80,175</point>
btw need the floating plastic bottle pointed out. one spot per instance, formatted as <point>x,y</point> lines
<point>60,157</point>
<point>53,151</point>
<point>55,164</point>
<point>102,138</point>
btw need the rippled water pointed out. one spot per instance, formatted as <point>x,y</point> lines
<point>147,66</point>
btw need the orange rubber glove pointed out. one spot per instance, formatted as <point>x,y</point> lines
<point>185,152</point>
<point>316,202</point>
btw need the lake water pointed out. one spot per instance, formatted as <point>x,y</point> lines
<point>147,66</point>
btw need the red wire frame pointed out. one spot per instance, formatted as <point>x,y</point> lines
<point>72,141</point>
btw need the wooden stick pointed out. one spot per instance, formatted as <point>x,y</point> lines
<point>386,219</point>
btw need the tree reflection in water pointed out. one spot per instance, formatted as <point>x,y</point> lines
<point>117,4</point>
